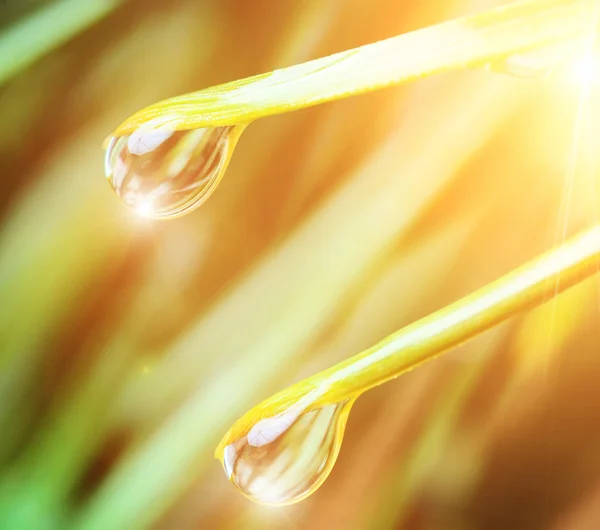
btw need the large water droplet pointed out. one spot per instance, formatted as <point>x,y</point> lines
<point>161,172</point>
<point>285,458</point>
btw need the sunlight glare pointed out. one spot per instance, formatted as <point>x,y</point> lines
<point>585,70</point>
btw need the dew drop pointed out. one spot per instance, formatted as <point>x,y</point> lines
<point>284,459</point>
<point>159,171</point>
<point>538,62</point>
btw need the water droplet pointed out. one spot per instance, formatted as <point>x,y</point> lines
<point>538,62</point>
<point>159,171</point>
<point>284,459</point>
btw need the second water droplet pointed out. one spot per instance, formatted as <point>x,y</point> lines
<point>283,459</point>
<point>538,62</point>
<point>161,172</point>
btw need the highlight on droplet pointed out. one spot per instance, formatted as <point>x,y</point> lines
<point>159,171</point>
<point>285,458</point>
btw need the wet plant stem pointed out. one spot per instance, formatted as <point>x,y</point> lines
<point>470,41</point>
<point>526,287</point>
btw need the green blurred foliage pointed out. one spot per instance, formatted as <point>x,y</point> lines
<point>127,347</point>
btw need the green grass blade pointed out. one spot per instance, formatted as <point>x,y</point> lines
<point>26,41</point>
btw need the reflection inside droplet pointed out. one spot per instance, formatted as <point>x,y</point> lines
<point>161,172</point>
<point>285,458</point>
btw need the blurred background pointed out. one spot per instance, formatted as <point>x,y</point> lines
<point>129,346</point>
